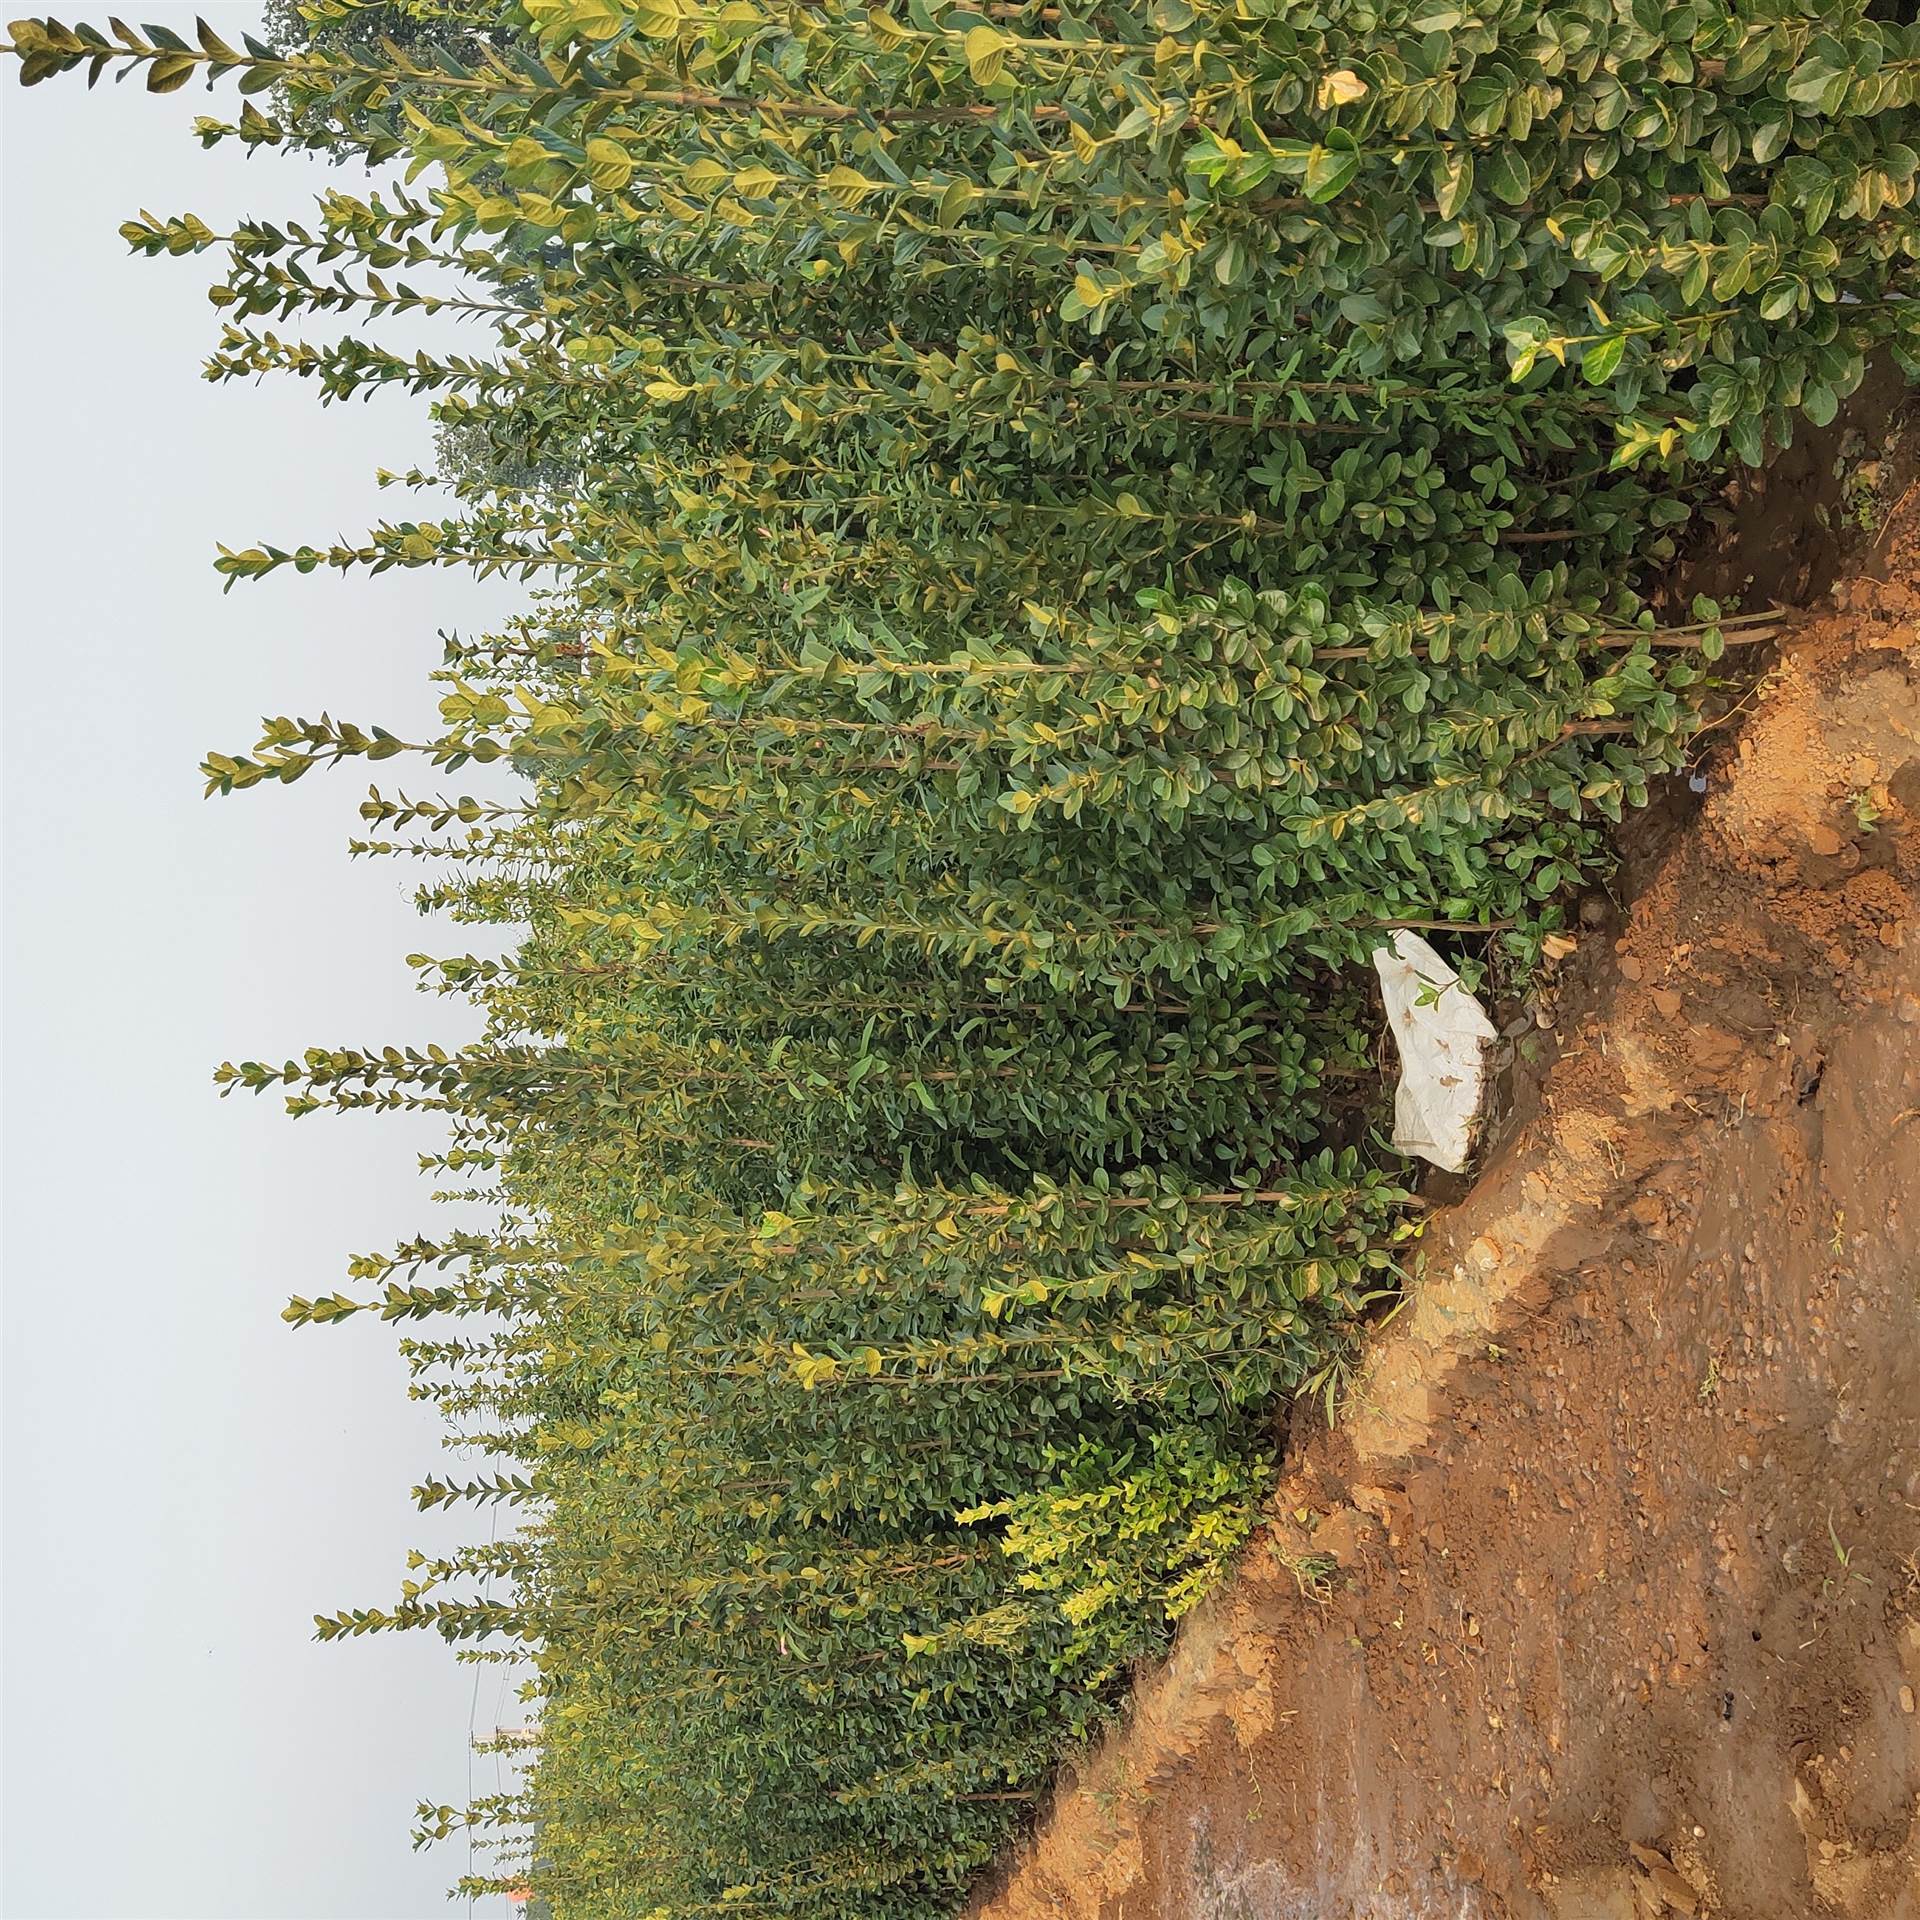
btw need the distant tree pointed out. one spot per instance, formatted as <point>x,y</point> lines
<point>488,453</point>
<point>291,26</point>
<point>358,29</point>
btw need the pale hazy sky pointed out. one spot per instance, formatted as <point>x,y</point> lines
<point>186,1480</point>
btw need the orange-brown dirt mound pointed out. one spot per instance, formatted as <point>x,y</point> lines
<point>1602,1600</point>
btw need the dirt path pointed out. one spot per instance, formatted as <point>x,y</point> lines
<point>1615,1560</point>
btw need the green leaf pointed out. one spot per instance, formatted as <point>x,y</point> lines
<point>1770,136</point>
<point>1452,174</point>
<point>212,44</point>
<point>1598,363</point>
<point>1809,82</point>
<point>1329,172</point>
<point>1507,177</point>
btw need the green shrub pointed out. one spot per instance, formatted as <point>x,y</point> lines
<point>1048,532</point>
<point>1127,1545</point>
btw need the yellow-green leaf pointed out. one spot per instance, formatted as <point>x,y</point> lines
<point>1341,88</point>
<point>170,71</point>
<point>986,51</point>
<point>955,201</point>
<point>609,164</point>
<point>846,187</point>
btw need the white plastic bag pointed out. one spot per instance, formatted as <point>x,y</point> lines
<point>1442,1033</point>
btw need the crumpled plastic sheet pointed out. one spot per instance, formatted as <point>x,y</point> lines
<point>1442,1033</point>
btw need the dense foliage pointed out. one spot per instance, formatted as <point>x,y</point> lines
<point>1049,529</point>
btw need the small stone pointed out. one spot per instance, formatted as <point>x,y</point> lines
<point>1906,1699</point>
<point>1630,968</point>
<point>1668,1003</point>
<point>1678,1893</point>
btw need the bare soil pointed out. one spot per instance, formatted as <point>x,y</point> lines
<point>1602,1599</point>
